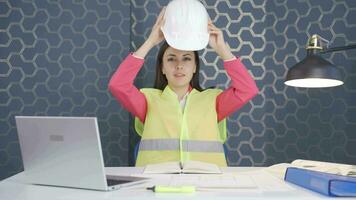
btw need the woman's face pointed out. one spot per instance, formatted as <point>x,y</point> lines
<point>178,67</point>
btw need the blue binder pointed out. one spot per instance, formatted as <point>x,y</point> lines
<point>324,183</point>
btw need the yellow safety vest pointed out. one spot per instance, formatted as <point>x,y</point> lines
<point>170,134</point>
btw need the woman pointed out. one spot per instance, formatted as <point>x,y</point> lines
<point>177,120</point>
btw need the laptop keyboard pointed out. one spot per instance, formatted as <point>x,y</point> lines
<point>112,182</point>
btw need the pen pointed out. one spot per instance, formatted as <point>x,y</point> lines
<point>172,189</point>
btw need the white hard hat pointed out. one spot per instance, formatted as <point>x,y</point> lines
<point>186,25</point>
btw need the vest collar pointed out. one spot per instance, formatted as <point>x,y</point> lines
<point>168,92</point>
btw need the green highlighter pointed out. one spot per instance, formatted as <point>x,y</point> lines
<point>172,189</point>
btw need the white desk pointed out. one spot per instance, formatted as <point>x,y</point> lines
<point>14,189</point>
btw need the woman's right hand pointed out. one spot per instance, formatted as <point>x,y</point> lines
<point>155,37</point>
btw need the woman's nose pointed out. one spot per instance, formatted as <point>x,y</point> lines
<point>179,66</point>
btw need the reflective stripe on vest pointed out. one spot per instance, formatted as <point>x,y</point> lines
<point>187,145</point>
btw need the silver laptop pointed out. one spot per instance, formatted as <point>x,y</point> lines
<point>65,151</point>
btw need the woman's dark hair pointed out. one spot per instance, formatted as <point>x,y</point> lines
<point>161,80</point>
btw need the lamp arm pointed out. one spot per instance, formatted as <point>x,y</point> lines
<point>353,46</point>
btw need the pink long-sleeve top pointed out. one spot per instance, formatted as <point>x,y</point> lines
<point>242,88</point>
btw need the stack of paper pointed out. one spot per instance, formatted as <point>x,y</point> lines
<point>279,170</point>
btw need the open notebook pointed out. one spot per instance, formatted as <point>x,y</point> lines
<point>188,167</point>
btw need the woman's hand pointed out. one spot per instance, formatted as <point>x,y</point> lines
<point>217,42</point>
<point>155,37</point>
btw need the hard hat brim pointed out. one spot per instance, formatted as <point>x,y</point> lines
<point>193,43</point>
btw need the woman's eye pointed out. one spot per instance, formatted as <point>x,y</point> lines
<point>187,59</point>
<point>170,59</point>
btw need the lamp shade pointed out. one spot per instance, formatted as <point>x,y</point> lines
<point>313,72</point>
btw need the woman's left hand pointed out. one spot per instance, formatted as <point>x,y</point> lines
<point>217,42</point>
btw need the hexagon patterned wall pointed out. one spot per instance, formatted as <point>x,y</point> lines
<point>56,58</point>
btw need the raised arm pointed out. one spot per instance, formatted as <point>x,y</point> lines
<point>123,89</point>
<point>243,88</point>
<point>122,85</point>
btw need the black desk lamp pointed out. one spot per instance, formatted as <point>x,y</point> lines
<point>314,71</point>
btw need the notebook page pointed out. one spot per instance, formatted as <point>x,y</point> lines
<point>162,168</point>
<point>200,167</point>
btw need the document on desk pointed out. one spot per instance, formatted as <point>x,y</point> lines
<point>204,181</point>
<point>257,180</point>
<point>207,182</point>
<point>269,183</point>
